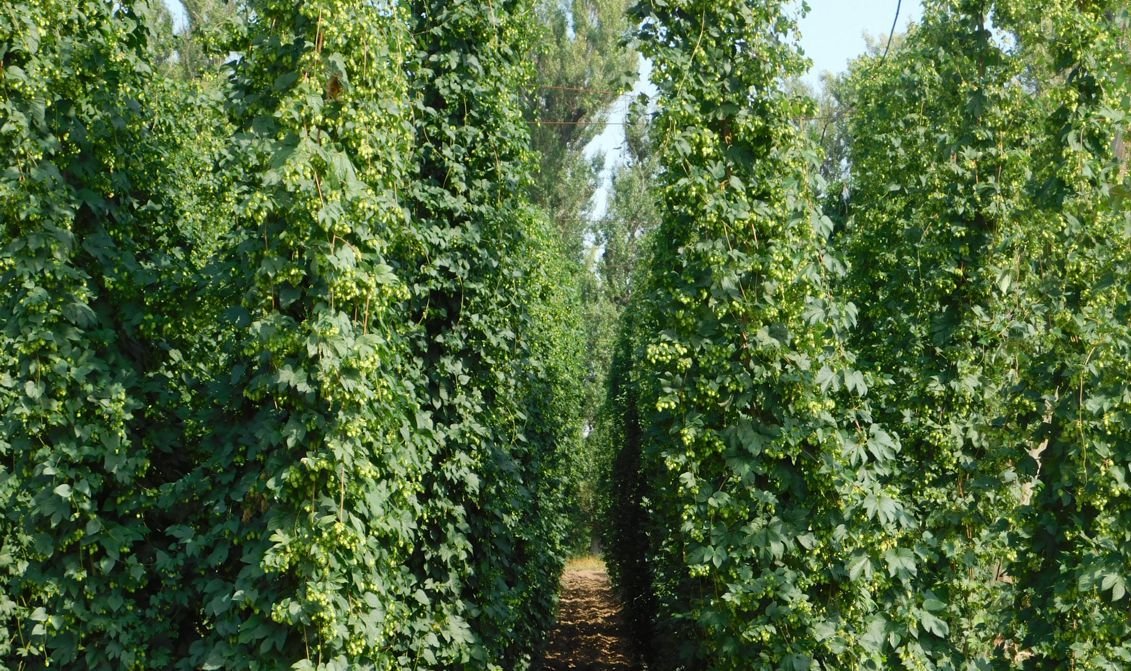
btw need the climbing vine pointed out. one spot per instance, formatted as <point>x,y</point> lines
<point>491,302</point>
<point>979,230</point>
<point>929,489</point>
<point>102,241</point>
<point>293,370</point>
<point>934,192</point>
<point>746,448</point>
<point>1070,609</point>
<point>240,423</point>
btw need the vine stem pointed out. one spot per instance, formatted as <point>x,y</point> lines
<point>891,33</point>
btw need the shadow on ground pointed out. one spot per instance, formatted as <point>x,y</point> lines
<point>590,634</point>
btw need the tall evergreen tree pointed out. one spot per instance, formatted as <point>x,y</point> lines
<point>633,211</point>
<point>582,65</point>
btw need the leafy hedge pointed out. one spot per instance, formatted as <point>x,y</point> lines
<point>287,360</point>
<point>497,343</point>
<point>741,507</point>
<point>984,228</point>
<point>935,192</point>
<point>1072,571</point>
<point>101,248</point>
<point>943,484</point>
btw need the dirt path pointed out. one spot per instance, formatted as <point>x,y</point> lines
<point>589,635</point>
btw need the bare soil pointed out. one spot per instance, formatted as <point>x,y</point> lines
<point>590,635</point>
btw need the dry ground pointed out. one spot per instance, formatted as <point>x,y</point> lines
<point>589,635</point>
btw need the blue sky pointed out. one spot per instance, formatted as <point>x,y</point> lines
<point>180,18</point>
<point>833,32</point>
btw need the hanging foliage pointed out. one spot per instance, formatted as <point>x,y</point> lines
<point>101,242</point>
<point>939,161</point>
<point>293,370</point>
<point>748,490</point>
<point>496,348</point>
<point>309,508</point>
<point>1070,610</point>
<point>980,228</point>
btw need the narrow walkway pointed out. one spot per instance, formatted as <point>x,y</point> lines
<point>589,635</point>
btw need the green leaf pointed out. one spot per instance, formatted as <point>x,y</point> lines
<point>854,382</point>
<point>859,565</point>
<point>1115,583</point>
<point>827,379</point>
<point>881,444</point>
<point>933,624</point>
<point>1004,282</point>
<point>749,438</point>
<point>80,315</point>
<point>901,562</point>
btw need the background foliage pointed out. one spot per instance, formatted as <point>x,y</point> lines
<point>582,65</point>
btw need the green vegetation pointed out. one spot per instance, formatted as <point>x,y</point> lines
<point>289,359</point>
<point>736,488</point>
<point>582,65</point>
<point>897,440</point>
<point>312,356</point>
